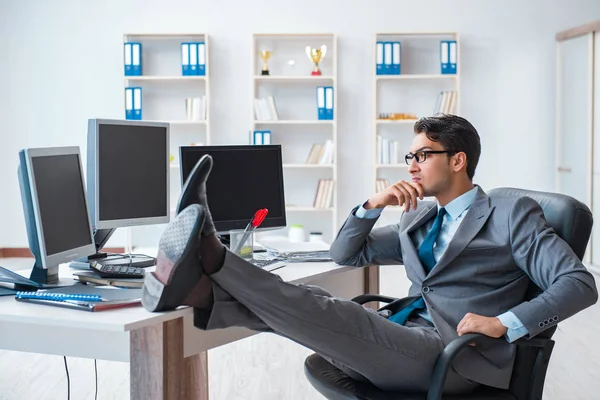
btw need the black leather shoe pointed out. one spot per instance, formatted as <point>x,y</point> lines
<point>194,192</point>
<point>178,260</point>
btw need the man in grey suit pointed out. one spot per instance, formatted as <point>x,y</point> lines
<point>469,256</point>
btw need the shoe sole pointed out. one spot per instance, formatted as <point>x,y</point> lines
<point>178,246</point>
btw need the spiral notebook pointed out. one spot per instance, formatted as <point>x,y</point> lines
<point>83,297</point>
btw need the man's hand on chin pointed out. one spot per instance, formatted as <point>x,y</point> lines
<point>489,326</point>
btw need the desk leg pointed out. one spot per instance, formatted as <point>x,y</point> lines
<point>371,284</point>
<point>158,370</point>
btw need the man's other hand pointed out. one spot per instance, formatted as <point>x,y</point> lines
<point>489,326</point>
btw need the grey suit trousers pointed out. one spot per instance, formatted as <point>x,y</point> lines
<point>360,341</point>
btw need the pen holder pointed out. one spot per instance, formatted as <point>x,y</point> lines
<point>242,243</point>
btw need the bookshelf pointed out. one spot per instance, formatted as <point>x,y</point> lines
<point>294,123</point>
<point>164,93</point>
<point>419,89</point>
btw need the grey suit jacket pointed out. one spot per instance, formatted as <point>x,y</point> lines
<point>500,245</point>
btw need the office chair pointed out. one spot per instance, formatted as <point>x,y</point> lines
<point>572,221</point>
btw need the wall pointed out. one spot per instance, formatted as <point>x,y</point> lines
<point>61,65</point>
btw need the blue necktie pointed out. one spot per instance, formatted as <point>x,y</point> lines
<point>428,261</point>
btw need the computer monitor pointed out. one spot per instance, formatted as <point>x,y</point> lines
<point>55,207</point>
<point>127,175</point>
<point>243,180</point>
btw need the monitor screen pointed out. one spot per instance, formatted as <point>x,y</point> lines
<point>61,202</point>
<point>128,169</point>
<point>243,180</point>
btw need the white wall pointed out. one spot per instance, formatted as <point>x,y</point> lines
<point>61,64</point>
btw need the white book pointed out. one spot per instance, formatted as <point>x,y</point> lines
<point>316,203</point>
<point>444,102</point>
<point>385,150</point>
<point>257,111</point>
<point>327,156</point>
<point>329,202</point>
<point>273,108</point>
<point>438,103</point>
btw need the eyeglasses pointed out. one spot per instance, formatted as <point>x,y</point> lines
<point>421,156</point>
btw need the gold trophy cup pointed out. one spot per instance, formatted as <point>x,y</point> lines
<point>265,54</point>
<point>316,56</point>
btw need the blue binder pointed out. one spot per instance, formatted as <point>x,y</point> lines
<point>258,138</point>
<point>452,49</point>
<point>201,50</point>
<point>379,58</point>
<point>448,56</point>
<point>266,137</point>
<point>185,59</point>
<point>396,57</point>
<point>132,52</point>
<point>137,103</point>
<point>321,103</point>
<point>133,103</point>
<point>329,102</point>
<point>387,58</point>
<point>129,103</point>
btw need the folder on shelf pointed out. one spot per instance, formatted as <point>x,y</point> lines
<point>452,57</point>
<point>258,138</point>
<point>193,48</point>
<point>387,58</point>
<point>445,46</point>
<point>133,103</point>
<point>396,54</point>
<point>185,59</point>
<point>129,103</point>
<point>137,103</point>
<point>321,102</point>
<point>201,58</point>
<point>266,137</point>
<point>329,102</point>
<point>133,58</point>
<point>379,58</point>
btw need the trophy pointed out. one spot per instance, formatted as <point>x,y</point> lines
<point>264,54</point>
<point>316,55</point>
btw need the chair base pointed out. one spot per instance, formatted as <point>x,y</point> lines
<point>336,385</point>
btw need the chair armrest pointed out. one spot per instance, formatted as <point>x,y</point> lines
<point>366,298</point>
<point>444,361</point>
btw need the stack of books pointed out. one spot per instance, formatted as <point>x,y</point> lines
<point>445,103</point>
<point>321,153</point>
<point>324,195</point>
<point>388,151</point>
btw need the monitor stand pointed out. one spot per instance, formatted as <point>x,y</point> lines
<point>47,278</point>
<point>101,237</point>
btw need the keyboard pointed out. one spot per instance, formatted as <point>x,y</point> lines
<point>268,265</point>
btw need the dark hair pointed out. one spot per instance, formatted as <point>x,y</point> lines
<point>455,134</point>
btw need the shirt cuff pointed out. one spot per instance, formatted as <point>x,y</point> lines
<point>516,329</point>
<point>373,213</point>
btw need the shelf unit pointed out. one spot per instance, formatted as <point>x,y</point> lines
<point>414,91</point>
<point>164,93</point>
<point>298,128</point>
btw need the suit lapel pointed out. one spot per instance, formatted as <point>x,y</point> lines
<point>411,257</point>
<point>471,225</point>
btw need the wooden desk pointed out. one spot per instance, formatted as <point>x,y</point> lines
<point>166,352</point>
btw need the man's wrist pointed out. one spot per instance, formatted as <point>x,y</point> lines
<point>369,205</point>
<point>501,328</point>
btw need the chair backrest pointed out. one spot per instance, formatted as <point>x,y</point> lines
<point>572,221</point>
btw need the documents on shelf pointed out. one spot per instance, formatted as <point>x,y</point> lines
<point>324,195</point>
<point>321,153</point>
